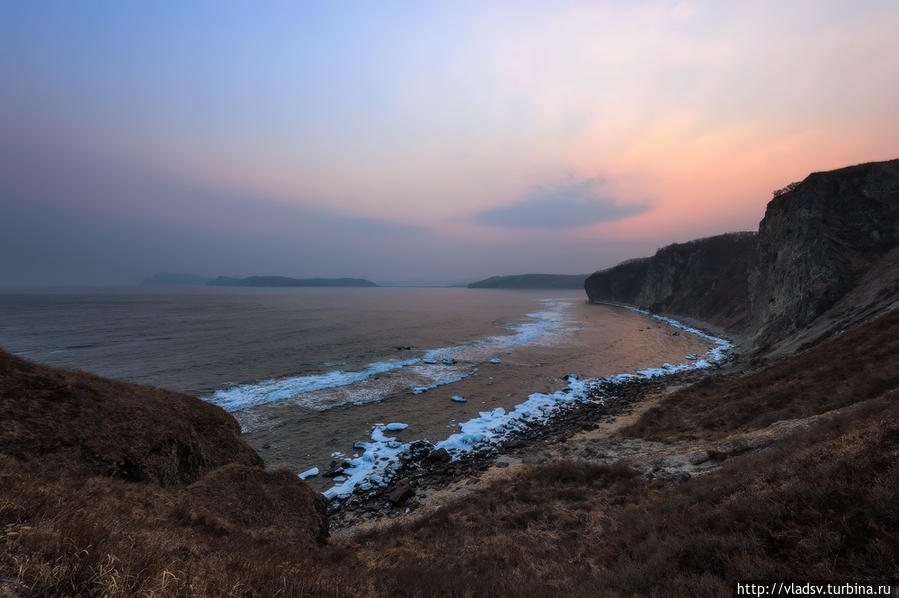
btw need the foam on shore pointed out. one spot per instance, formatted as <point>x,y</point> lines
<point>246,396</point>
<point>375,467</point>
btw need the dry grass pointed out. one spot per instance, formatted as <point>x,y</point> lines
<point>821,505</point>
<point>860,365</point>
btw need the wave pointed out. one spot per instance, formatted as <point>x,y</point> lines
<point>246,396</point>
<point>375,467</point>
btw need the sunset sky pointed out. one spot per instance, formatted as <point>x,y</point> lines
<point>417,140</point>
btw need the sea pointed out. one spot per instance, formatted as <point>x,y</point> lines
<point>354,375</point>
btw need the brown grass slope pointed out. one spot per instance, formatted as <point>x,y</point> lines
<point>240,531</point>
<point>115,489</point>
<point>821,504</point>
<point>859,365</point>
<point>134,432</point>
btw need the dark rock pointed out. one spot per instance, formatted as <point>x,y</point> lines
<point>401,492</point>
<point>333,472</point>
<point>440,456</point>
<point>419,450</point>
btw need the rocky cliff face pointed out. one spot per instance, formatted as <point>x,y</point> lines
<point>826,258</point>
<point>705,279</point>
<point>817,242</point>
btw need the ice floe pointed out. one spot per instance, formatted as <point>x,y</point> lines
<point>309,473</point>
<point>372,466</point>
<point>395,427</point>
<point>458,399</point>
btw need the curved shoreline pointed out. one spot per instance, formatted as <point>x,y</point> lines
<point>578,406</point>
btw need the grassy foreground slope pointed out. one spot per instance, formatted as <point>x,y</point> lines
<point>820,503</point>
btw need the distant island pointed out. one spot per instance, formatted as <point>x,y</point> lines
<point>174,278</point>
<point>532,281</point>
<point>284,281</point>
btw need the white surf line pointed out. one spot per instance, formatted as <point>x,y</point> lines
<point>443,381</point>
<point>246,396</point>
<point>375,467</point>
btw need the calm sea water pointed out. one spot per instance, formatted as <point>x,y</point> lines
<point>309,372</point>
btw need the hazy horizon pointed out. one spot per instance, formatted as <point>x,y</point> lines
<point>408,141</point>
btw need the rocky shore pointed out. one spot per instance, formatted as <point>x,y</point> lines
<point>424,476</point>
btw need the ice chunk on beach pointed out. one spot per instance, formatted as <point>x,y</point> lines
<point>490,426</point>
<point>395,426</point>
<point>373,467</point>
<point>496,360</point>
<point>309,473</point>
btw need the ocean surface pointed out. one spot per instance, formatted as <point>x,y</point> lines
<point>316,375</point>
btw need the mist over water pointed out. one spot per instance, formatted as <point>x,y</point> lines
<point>310,372</point>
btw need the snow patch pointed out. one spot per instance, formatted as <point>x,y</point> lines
<point>308,473</point>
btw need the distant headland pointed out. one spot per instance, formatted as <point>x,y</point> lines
<point>284,281</point>
<point>184,279</point>
<point>532,281</point>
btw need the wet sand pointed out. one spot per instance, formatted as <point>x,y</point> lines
<point>593,341</point>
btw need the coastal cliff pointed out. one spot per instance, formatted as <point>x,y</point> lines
<point>825,258</point>
<point>817,242</point>
<point>705,279</point>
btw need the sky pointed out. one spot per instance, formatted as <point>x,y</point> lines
<point>428,141</point>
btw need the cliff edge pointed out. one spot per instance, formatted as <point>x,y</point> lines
<point>817,242</point>
<point>825,259</point>
<point>705,279</point>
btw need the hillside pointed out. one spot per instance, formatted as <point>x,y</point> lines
<point>284,281</point>
<point>114,482</point>
<point>531,281</point>
<point>760,475</point>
